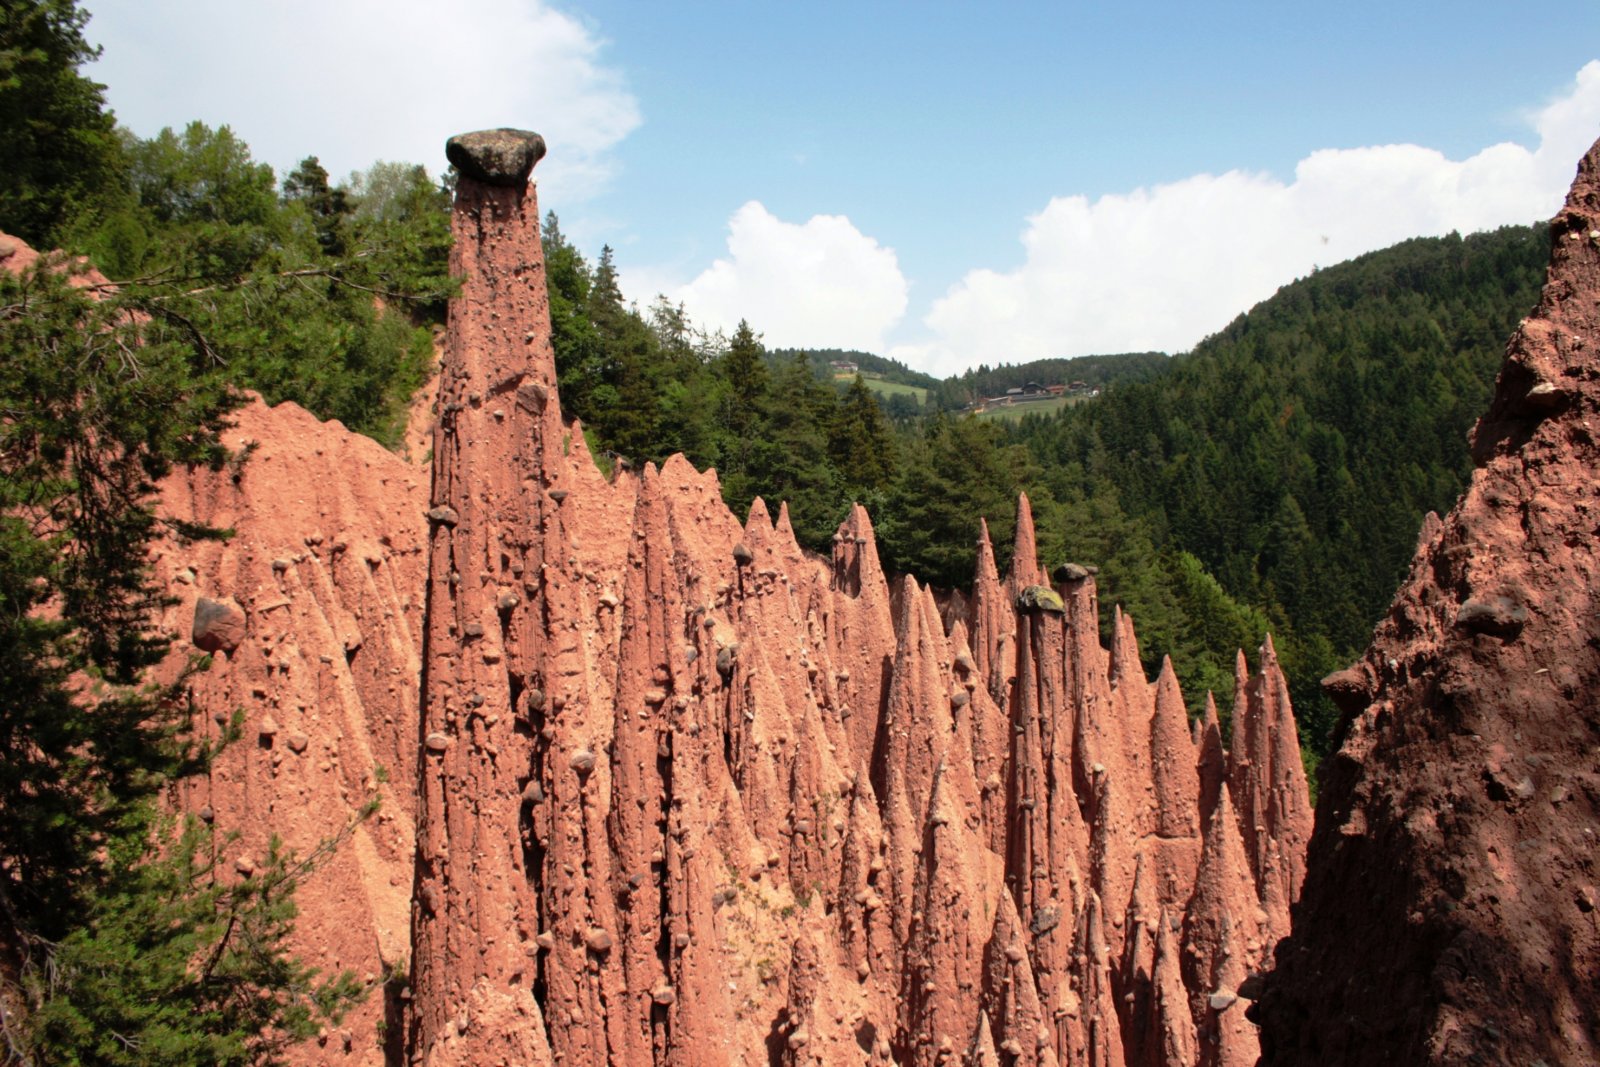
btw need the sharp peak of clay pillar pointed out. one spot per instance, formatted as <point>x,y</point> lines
<point>1269,657</point>
<point>1242,724</point>
<point>1172,717</point>
<point>1224,860</point>
<point>759,519</point>
<point>959,638</point>
<point>1175,768</point>
<point>1142,900</point>
<point>1211,762</point>
<point>1123,654</point>
<point>857,526</point>
<point>1171,1020</point>
<point>1025,550</point>
<point>986,571</point>
<point>983,1052</point>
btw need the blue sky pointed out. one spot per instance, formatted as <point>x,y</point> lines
<point>943,182</point>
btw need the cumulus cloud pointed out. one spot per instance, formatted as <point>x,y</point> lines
<point>1161,267</point>
<point>817,284</point>
<point>355,81</point>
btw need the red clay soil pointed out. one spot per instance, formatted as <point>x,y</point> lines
<point>1448,914</point>
<point>688,794</point>
<point>324,576</point>
<point>664,788</point>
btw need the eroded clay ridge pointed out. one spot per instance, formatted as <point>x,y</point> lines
<point>660,787</point>
<point>687,794</point>
<point>1448,914</point>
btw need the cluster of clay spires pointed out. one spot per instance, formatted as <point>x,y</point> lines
<point>688,794</point>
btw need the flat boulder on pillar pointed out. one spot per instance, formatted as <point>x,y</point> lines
<point>1040,598</point>
<point>496,157</point>
<point>1070,572</point>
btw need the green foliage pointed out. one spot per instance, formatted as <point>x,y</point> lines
<point>648,385</point>
<point>201,176</point>
<point>397,238</point>
<point>58,141</point>
<point>791,461</point>
<point>127,943</point>
<point>745,370</point>
<point>308,184</point>
<point>317,297</point>
<point>860,444</point>
<point>1294,454</point>
<point>179,963</point>
<point>955,472</point>
<point>126,952</point>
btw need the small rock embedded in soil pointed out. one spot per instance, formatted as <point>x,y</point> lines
<point>219,625</point>
<point>1499,616</point>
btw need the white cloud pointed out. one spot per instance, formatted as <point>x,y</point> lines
<point>1159,268</point>
<point>817,284</point>
<point>355,81</point>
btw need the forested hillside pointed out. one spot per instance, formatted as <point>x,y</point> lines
<point>1272,479</point>
<point>890,370</point>
<point>974,384</point>
<point>1295,453</point>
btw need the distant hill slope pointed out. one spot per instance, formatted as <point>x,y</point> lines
<point>1296,452</point>
<point>1097,371</point>
<point>889,370</point>
<point>956,392</point>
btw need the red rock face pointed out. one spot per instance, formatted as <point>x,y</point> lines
<point>1448,913</point>
<point>755,804</point>
<point>665,788</point>
<point>322,586</point>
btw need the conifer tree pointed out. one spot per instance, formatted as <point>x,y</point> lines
<point>861,445</point>
<point>57,138</point>
<point>127,946</point>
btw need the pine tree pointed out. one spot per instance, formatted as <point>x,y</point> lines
<point>308,184</point>
<point>789,456</point>
<point>97,917</point>
<point>860,444</point>
<point>58,140</point>
<point>744,369</point>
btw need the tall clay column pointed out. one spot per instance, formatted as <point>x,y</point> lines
<point>475,920</point>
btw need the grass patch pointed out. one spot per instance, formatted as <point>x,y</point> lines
<point>887,389</point>
<point>1015,412</point>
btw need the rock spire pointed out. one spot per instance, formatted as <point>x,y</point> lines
<point>674,791</point>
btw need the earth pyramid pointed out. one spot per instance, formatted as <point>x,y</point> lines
<point>661,787</point>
